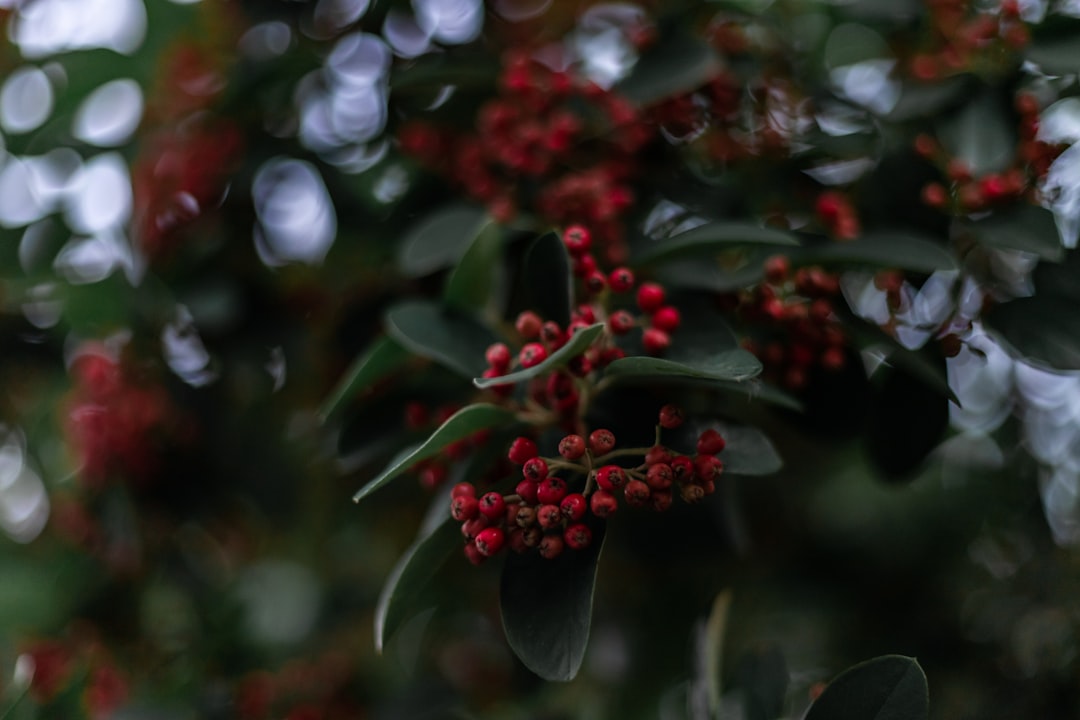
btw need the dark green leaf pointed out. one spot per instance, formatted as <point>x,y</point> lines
<point>409,577</point>
<point>736,364</point>
<point>382,358</point>
<point>748,451</point>
<point>459,426</point>
<point>901,250</point>
<point>452,339</point>
<point>678,63</point>
<point>920,100</point>
<point>578,343</point>
<point>980,134</point>
<point>907,419</point>
<point>1055,55</point>
<point>925,364</point>
<point>713,237</point>
<point>469,285</point>
<point>547,608</point>
<point>708,274</point>
<point>891,687</point>
<point>549,284</point>
<point>1044,329</point>
<point>437,241</point>
<point>1028,228</point>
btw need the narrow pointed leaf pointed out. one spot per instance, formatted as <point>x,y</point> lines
<point>677,64</point>
<point>547,608</point>
<point>1028,228</point>
<point>410,576</point>
<point>735,364</point>
<point>1044,329</point>
<point>905,251</point>
<point>891,687</point>
<point>459,426</point>
<point>578,343</point>
<point>469,285</point>
<point>382,358</point>
<point>712,237</point>
<point>454,340</point>
<point>980,135</point>
<point>438,240</point>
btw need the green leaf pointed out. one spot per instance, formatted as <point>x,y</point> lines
<point>980,134</point>
<point>459,426</point>
<point>707,274</point>
<point>925,364</point>
<point>578,343</point>
<point>902,250</point>
<point>1044,329</point>
<point>469,285</point>
<point>549,284</point>
<point>713,650</point>
<point>921,100</point>
<point>382,358</point>
<point>678,63</point>
<point>712,237</point>
<point>452,339</point>
<point>547,608</point>
<point>736,364</point>
<point>1027,227</point>
<point>902,405</point>
<point>411,575</point>
<point>749,451</point>
<point>1055,55</point>
<point>891,687</point>
<point>437,241</point>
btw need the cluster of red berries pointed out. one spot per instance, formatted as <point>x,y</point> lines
<point>965,193</point>
<point>544,513</point>
<point>550,143</point>
<point>836,213</point>
<point>963,40</point>
<point>306,689</point>
<point>796,309</point>
<point>114,422</point>
<point>58,666</point>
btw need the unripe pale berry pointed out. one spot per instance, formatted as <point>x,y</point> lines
<point>671,417</point>
<point>603,503</point>
<point>525,517</point>
<point>572,447</point>
<point>532,355</point>
<point>551,491</point>
<point>577,536</point>
<point>650,297</point>
<point>601,441</point>
<point>710,442</point>
<point>490,541</point>
<point>535,469</point>
<point>573,506</point>
<point>636,493</point>
<point>521,450</point>
<point>610,477</point>
<point>692,493</point>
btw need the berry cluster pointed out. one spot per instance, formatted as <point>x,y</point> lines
<point>433,471</point>
<point>961,40</point>
<point>114,422</point>
<point>546,512</point>
<point>965,193</point>
<point>835,211</point>
<point>796,308</point>
<point>549,143</point>
<point>315,688</point>
<point>82,666</point>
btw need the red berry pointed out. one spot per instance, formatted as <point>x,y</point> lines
<point>659,476</point>
<point>535,469</point>
<point>490,541</point>
<point>655,341</point>
<point>527,491</point>
<point>464,507</point>
<point>578,536</point>
<point>492,505</point>
<point>463,489</point>
<point>578,240</point>
<point>498,357</point>
<point>525,516</point>
<point>671,417</point>
<point>650,297</point>
<point>521,450</point>
<point>925,146</point>
<point>636,493</point>
<point>595,282</point>
<point>610,477</point>
<point>710,442</point>
<point>777,269</point>
<point>621,280</point>
<point>661,500</point>
<point>658,454</point>
<point>551,546</point>
<point>601,441</point>
<point>572,447</point>
<point>474,526</point>
<point>528,325</point>
<point>551,491</point>
<point>552,334</point>
<point>573,506</point>
<point>511,512</point>
<point>549,516</point>
<point>532,355</point>
<point>586,314</point>
<point>516,539</point>
<point>603,503</point>
<point>621,322</point>
<point>584,265</point>
<point>682,468</point>
<point>708,467</point>
<point>473,554</point>
<point>416,415</point>
<point>667,319</point>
